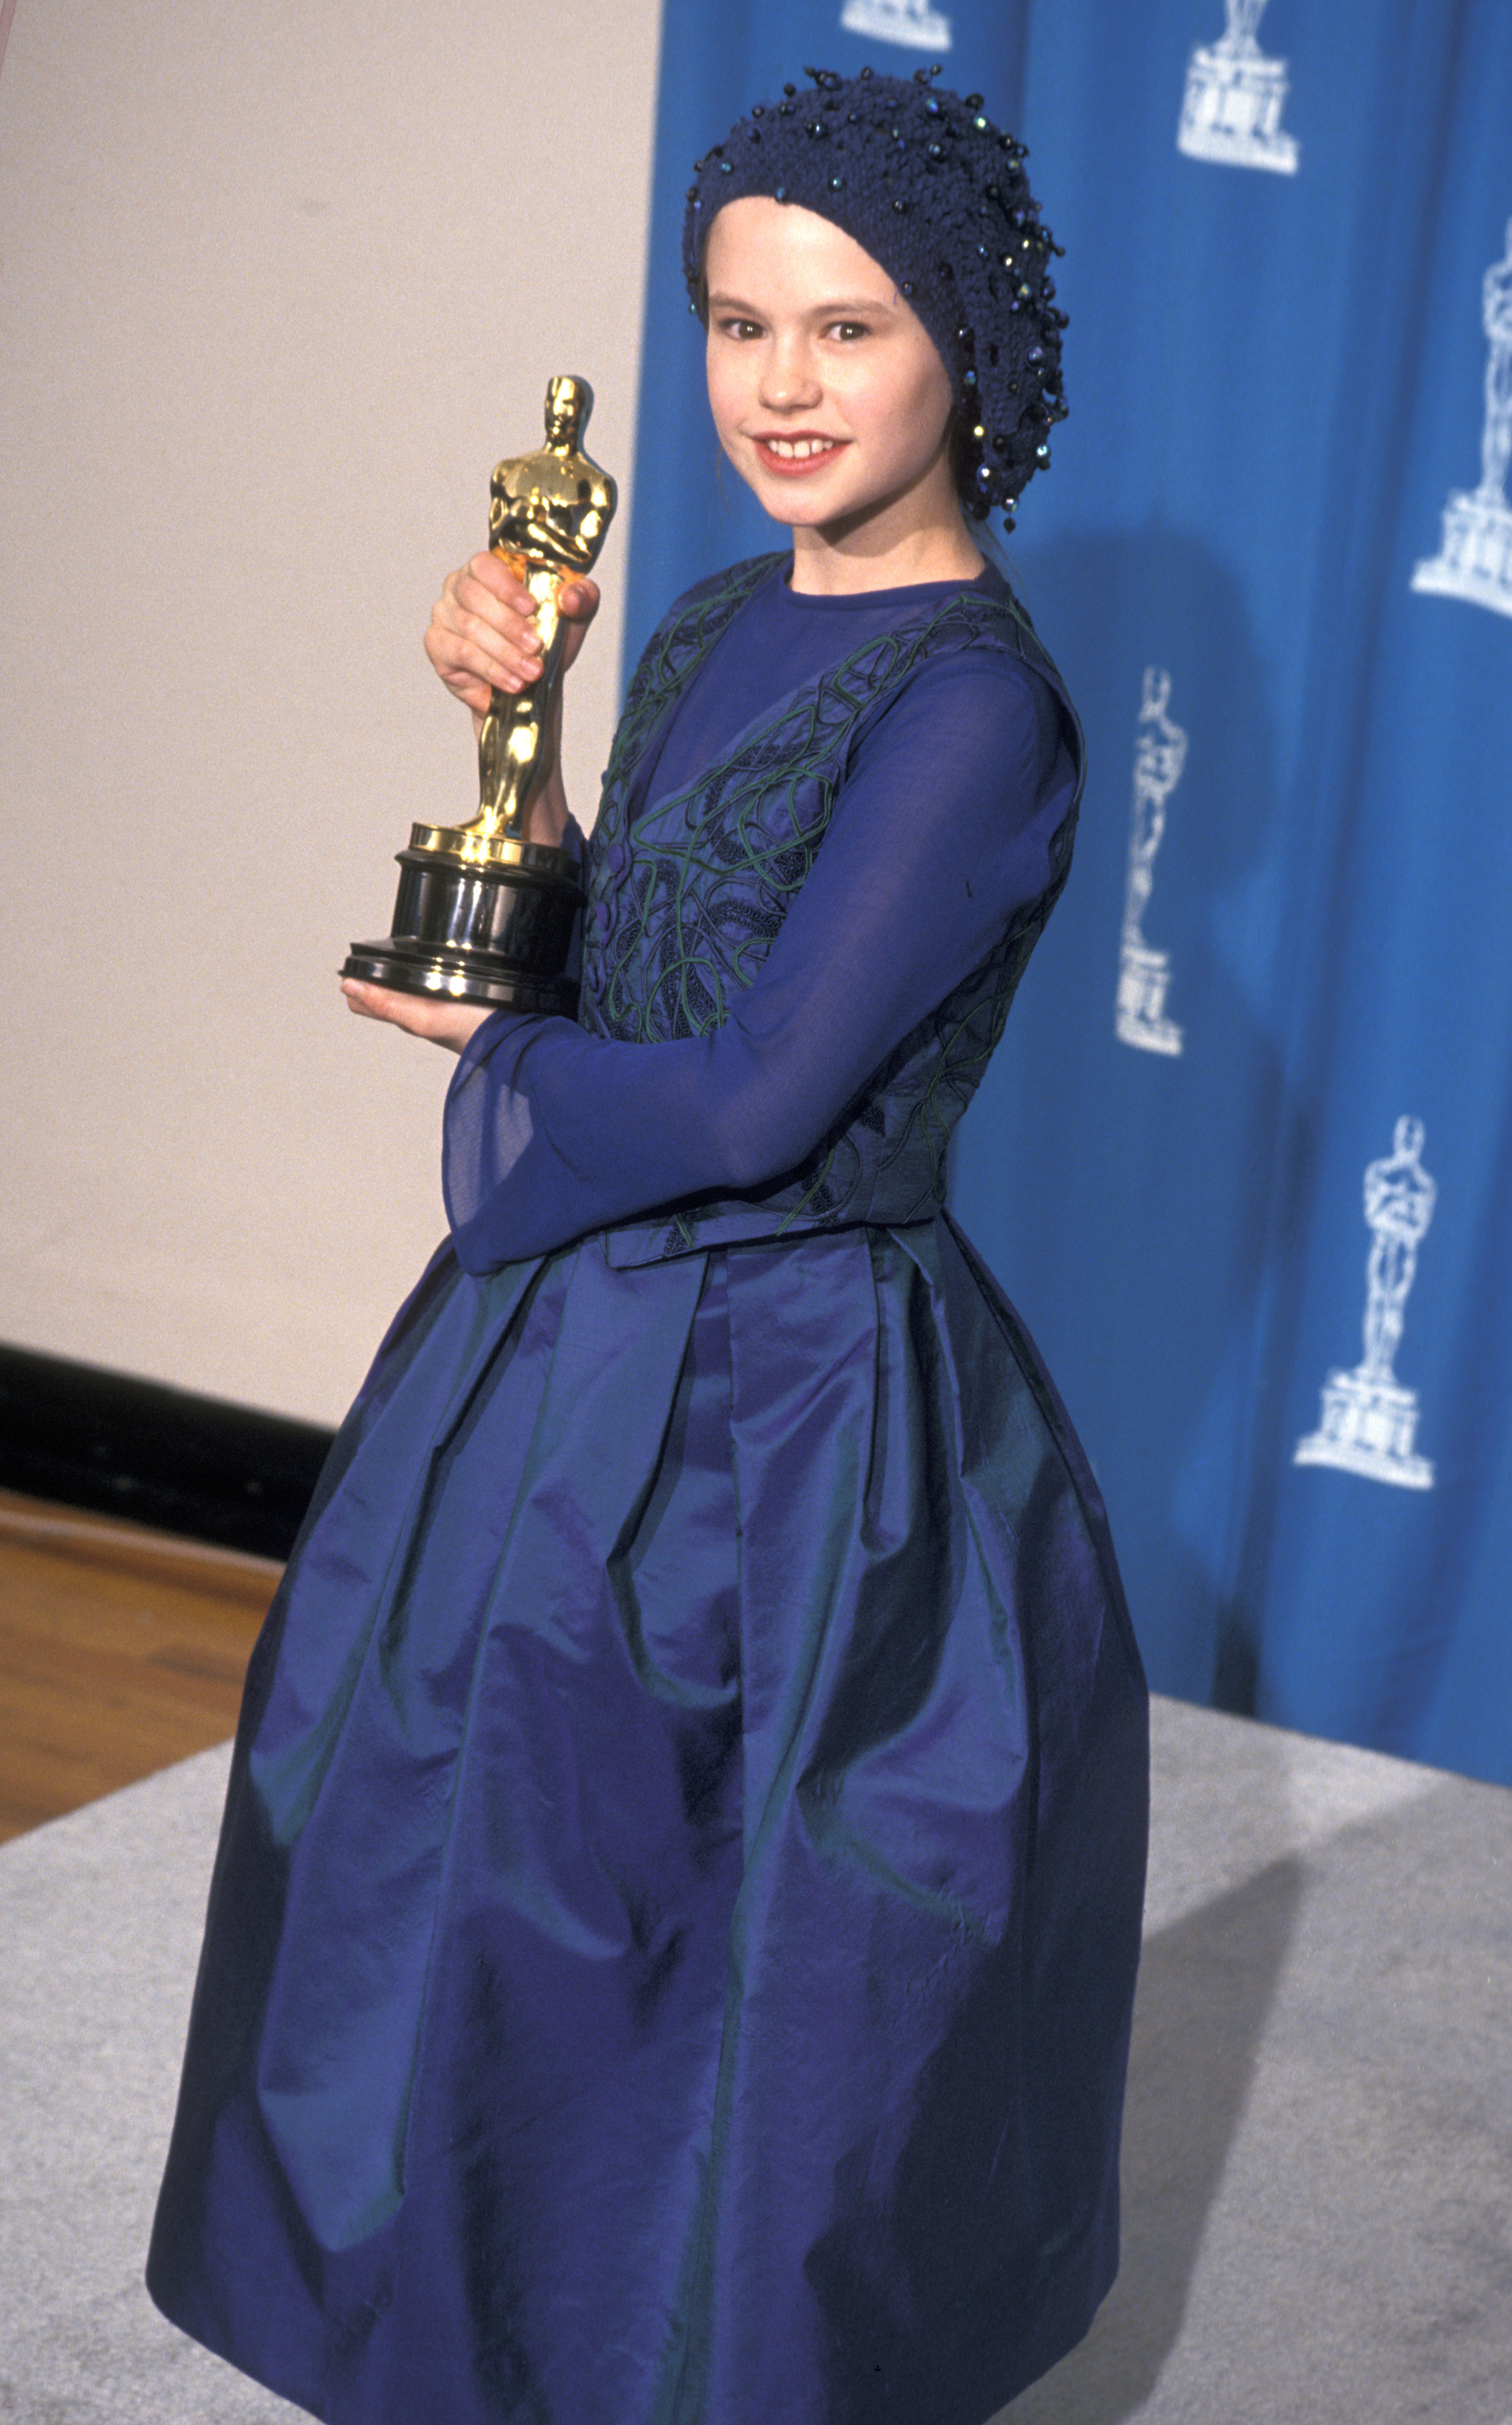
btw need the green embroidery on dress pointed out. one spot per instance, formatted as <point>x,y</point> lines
<point>670,659</point>
<point>715,865</point>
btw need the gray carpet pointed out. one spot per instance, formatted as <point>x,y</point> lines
<point>1317,2165</point>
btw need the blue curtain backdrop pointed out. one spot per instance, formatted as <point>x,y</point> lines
<point>1245,1158</point>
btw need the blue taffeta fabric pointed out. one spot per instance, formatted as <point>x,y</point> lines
<point>672,1946</point>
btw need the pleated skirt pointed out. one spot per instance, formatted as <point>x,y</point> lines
<point>672,1945</point>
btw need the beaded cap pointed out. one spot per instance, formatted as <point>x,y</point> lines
<point>937,196</point>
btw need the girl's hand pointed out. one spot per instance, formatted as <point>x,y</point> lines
<point>438,1021</point>
<point>483,634</point>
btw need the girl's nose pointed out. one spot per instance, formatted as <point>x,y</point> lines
<point>788,378</point>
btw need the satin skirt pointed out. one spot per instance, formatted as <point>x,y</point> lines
<point>672,1939</point>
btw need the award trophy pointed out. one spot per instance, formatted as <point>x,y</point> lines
<point>1235,98</point>
<point>1159,754</point>
<point>1475,560</point>
<point>482,914</point>
<point>1369,1420</point>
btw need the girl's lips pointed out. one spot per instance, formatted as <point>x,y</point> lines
<point>793,467</point>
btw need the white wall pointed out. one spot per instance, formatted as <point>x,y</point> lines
<point>277,287</point>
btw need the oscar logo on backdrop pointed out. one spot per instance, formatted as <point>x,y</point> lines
<point>912,24</point>
<point>1475,560</point>
<point>482,914</point>
<point>1235,98</point>
<point>1368,1419</point>
<point>1159,754</point>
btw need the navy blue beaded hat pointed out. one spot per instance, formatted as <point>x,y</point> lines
<point>937,195</point>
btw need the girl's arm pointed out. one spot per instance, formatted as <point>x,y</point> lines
<point>944,827</point>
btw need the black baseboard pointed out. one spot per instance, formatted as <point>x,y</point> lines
<point>196,1466</point>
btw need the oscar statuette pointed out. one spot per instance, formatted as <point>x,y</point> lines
<point>482,914</point>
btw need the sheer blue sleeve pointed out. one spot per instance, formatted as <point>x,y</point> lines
<point>943,830</point>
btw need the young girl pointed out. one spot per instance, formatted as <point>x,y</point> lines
<point>671,1952</point>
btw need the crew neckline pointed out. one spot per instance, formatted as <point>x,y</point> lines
<point>808,600</point>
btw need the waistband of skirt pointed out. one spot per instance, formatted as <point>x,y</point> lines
<point>696,1229</point>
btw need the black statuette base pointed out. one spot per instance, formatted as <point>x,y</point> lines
<point>488,932</point>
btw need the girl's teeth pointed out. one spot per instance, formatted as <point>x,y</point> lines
<point>800,447</point>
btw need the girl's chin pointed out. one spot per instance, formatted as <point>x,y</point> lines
<point>822,499</point>
<point>799,513</point>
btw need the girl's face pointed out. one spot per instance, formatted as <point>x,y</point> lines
<point>828,396</point>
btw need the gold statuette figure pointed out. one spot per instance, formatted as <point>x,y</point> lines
<point>548,517</point>
<point>483,915</point>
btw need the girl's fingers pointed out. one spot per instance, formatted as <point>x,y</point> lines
<point>494,574</point>
<point>490,588</point>
<point>448,1023</point>
<point>505,642</point>
<point>485,605</point>
<point>513,649</point>
<point>464,649</point>
<point>485,592</point>
<point>484,636</point>
<point>579,599</point>
<point>580,605</point>
<point>469,681</point>
<point>486,624</point>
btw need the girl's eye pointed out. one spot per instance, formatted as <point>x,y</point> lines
<point>740,329</point>
<point>848,330</point>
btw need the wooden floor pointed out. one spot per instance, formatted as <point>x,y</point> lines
<point>120,1651</point>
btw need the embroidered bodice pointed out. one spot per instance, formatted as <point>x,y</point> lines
<point>802,935</point>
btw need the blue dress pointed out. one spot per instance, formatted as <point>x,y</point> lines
<point>672,1939</point>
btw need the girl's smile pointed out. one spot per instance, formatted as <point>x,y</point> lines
<point>831,401</point>
<point>792,454</point>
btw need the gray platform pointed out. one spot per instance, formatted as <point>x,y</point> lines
<point>1317,2164</point>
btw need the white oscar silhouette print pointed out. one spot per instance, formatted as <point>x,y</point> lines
<point>1235,97</point>
<point>1159,754</point>
<point>1475,560</point>
<point>1368,1419</point>
<point>912,24</point>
